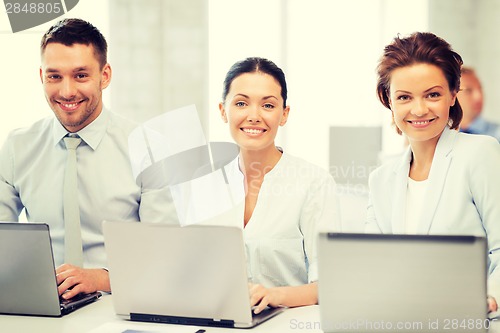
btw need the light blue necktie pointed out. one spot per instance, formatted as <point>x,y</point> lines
<point>73,236</point>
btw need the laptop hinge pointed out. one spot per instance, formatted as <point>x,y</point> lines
<point>153,318</point>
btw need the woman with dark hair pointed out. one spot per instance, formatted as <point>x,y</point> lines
<point>285,198</point>
<point>447,182</point>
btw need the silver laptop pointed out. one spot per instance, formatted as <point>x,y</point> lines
<point>28,283</point>
<point>402,283</point>
<point>194,275</point>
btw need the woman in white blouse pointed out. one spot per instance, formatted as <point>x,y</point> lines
<point>285,197</point>
<point>446,182</point>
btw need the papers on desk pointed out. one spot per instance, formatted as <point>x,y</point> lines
<point>136,327</point>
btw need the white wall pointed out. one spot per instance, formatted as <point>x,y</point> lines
<point>471,27</point>
<point>328,50</point>
<point>238,29</point>
<point>331,67</point>
<point>160,56</point>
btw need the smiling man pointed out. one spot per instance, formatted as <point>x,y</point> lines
<point>73,88</point>
<point>34,161</point>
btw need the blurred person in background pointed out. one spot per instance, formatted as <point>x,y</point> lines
<point>471,99</point>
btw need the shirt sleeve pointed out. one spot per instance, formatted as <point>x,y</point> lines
<point>320,212</point>
<point>157,206</point>
<point>10,202</point>
<point>485,186</point>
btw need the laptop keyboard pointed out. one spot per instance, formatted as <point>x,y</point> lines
<point>78,297</point>
<point>264,313</point>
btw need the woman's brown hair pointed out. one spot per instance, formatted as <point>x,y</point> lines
<point>420,47</point>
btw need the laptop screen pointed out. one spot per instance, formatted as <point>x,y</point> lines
<point>193,271</point>
<point>407,282</point>
<point>27,276</point>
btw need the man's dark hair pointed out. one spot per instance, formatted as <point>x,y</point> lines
<point>76,31</point>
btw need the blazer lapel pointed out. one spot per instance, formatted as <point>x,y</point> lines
<point>437,178</point>
<point>401,172</point>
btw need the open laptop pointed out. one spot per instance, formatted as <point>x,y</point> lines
<point>27,275</point>
<point>193,275</point>
<point>402,283</point>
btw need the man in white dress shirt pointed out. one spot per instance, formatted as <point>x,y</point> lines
<point>74,72</point>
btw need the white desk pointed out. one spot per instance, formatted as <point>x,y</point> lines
<point>100,317</point>
<point>80,321</point>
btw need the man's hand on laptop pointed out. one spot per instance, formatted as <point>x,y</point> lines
<point>73,280</point>
<point>261,297</point>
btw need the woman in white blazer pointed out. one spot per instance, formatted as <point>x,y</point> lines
<point>446,182</point>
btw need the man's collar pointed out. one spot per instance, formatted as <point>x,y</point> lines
<point>92,134</point>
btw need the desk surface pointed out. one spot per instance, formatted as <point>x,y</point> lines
<point>100,317</point>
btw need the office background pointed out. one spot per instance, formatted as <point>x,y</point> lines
<point>168,53</point>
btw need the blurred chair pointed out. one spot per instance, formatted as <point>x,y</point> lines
<point>354,153</point>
